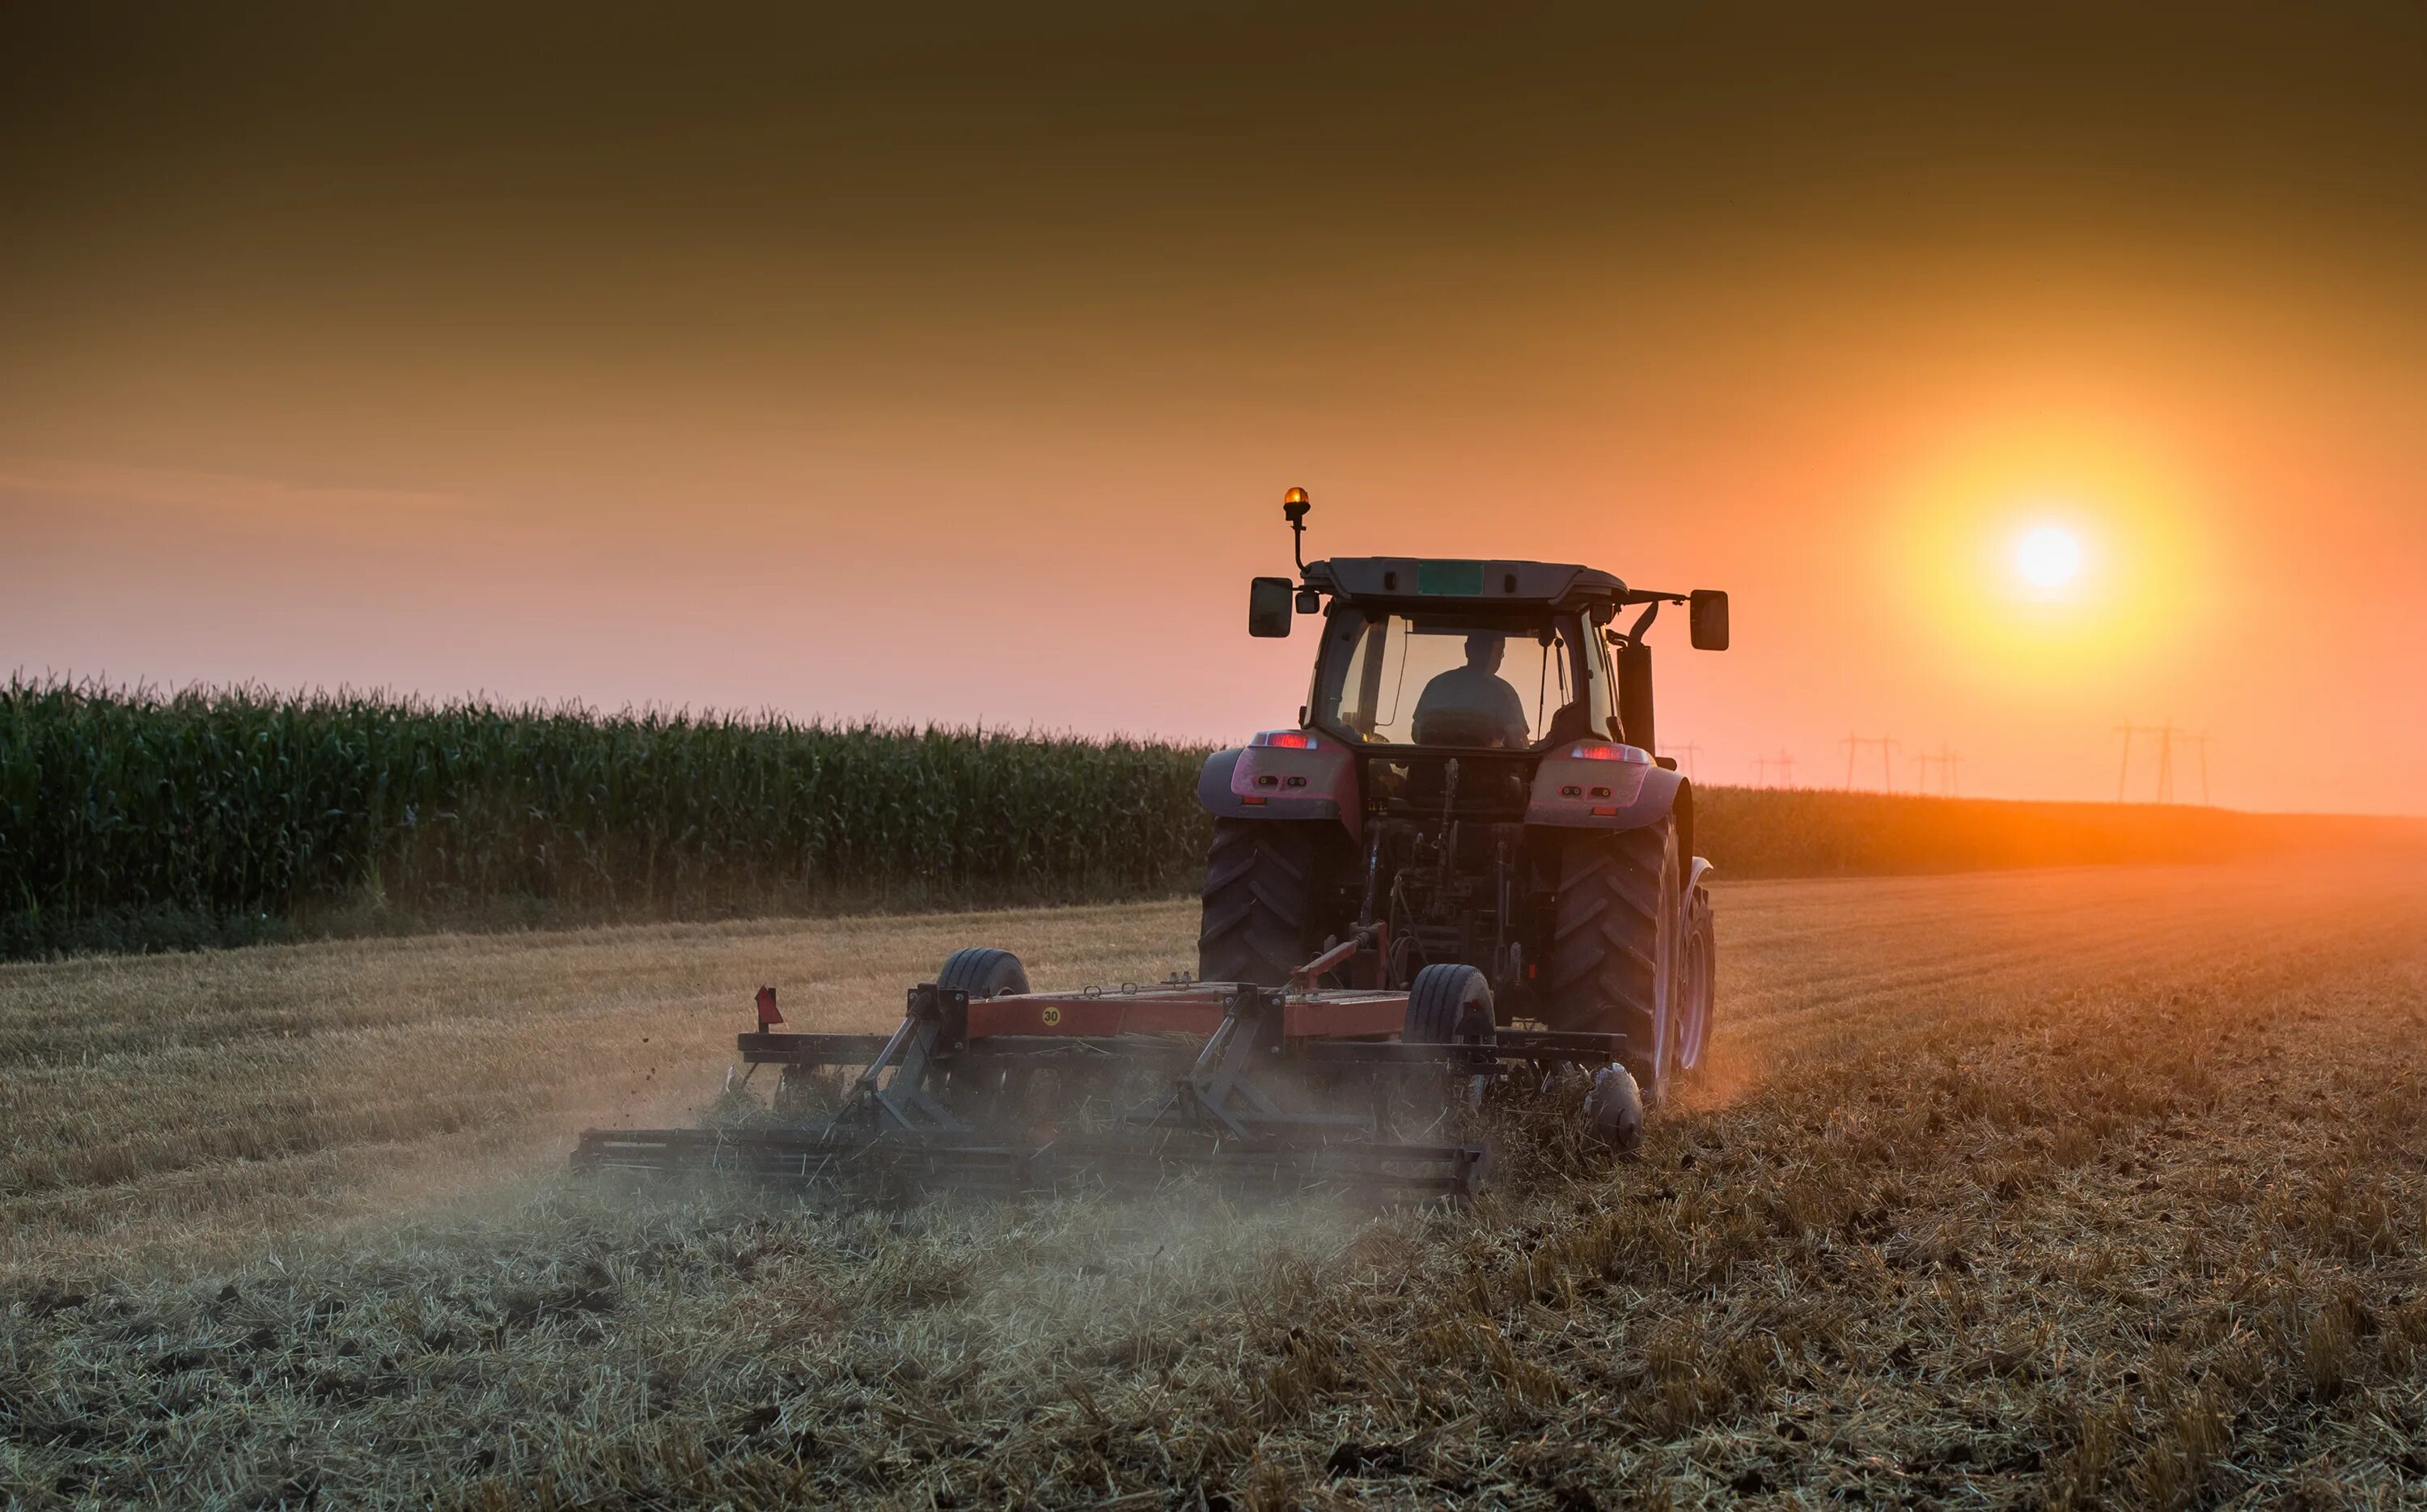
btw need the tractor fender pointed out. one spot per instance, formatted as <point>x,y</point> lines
<point>1282,781</point>
<point>1569,793</point>
<point>1696,903</point>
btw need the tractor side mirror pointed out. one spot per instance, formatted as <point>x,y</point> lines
<point>1269,605</point>
<point>1707,611</point>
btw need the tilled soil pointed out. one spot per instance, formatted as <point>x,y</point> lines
<point>2094,1186</point>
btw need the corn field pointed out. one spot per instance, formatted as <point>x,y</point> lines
<point>127,817</point>
<point>135,819</point>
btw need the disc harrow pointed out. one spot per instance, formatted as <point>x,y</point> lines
<point>1232,1084</point>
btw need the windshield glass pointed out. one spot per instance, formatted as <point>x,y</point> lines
<point>1450,679</point>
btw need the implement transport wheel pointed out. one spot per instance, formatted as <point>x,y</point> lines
<point>982,972</point>
<point>809,1094</point>
<point>1268,897</point>
<point>1615,946</point>
<point>1449,1006</point>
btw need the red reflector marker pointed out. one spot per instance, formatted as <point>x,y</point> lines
<point>1604,811</point>
<point>1253,802</point>
<point>766,1013</point>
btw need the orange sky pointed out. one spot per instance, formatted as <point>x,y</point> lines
<point>955,370</point>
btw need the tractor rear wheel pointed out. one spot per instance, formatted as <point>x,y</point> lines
<point>1614,950</point>
<point>1268,898</point>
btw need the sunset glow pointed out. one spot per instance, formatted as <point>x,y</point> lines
<point>858,387</point>
<point>2048,557</point>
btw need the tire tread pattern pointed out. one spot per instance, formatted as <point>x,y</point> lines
<point>1262,891</point>
<point>982,972</point>
<point>1603,957</point>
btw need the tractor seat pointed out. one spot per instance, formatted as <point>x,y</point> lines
<point>1456,726</point>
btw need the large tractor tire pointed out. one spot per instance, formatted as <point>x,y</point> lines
<point>1615,946</point>
<point>1270,887</point>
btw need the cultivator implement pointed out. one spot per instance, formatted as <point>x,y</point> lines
<point>1231,1084</point>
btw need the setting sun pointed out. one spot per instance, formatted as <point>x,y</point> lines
<point>2048,557</point>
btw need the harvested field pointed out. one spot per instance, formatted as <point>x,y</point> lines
<point>2061,1187</point>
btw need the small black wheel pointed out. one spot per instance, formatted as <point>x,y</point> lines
<point>1614,1110</point>
<point>982,972</point>
<point>1449,1006</point>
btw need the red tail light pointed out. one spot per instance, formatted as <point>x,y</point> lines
<point>1287,739</point>
<point>1608,751</point>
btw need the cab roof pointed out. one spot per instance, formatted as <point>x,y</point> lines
<point>1461,581</point>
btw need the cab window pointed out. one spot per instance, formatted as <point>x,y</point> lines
<point>1455,680</point>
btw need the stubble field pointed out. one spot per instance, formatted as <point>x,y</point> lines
<point>2071,1187</point>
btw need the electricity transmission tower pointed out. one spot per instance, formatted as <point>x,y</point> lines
<point>1761,771</point>
<point>1785,765</point>
<point>2203,741</point>
<point>2167,734</point>
<point>1856,743</point>
<point>1947,761</point>
<point>1686,753</point>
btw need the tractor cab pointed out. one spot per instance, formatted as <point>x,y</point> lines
<point>1409,687</point>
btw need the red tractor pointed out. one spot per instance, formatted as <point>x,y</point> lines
<point>1474,781</point>
<point>1465,878</point>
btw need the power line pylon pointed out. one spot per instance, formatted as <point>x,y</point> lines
<point>1687,753</point>
<point>2203,741</point>
<point>1786,766</point>
<point>2167,734</point>
<point>1761,771</point>
<point>1947,761</point>
<point>1854,744</point>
